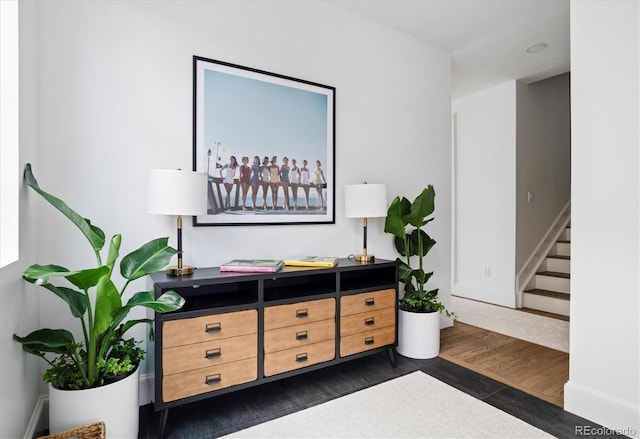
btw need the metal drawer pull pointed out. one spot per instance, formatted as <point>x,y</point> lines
<point>369,321</point>
<point>370,301</point>
<point>301,313</point>
<point>369,340</point>
<point>212,379</point>
<point>302,335</point>
<point>213,353</point>
<point>213,327</point>
<point>301,358</point>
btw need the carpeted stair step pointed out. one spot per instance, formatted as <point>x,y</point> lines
<point>545,300</point>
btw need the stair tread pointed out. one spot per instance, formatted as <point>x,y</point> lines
<point>547,293</point>
<point>554,274</point>
<point>559,257</point>
<point>545,314</point>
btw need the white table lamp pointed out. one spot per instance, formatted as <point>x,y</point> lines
<point>177,192</point>
<point>365,201</point>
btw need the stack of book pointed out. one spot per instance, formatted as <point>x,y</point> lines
<point>312,261</point>
<point>253,265</point>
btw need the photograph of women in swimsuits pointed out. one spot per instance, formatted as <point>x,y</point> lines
<point>257,136</point>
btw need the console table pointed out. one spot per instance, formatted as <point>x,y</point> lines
<point>238,330</point>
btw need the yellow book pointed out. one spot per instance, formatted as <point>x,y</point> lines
<point>312,261</point>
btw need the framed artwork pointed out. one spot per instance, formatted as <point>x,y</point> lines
<point>267,144</point>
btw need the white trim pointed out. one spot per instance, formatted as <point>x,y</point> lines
<point>528,270</point>
<point>495,297</point>
<point>603,408</point>
<point>38,422</point>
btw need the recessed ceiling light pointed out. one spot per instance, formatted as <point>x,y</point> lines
<point>536,48</point>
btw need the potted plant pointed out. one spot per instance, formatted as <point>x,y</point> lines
<point>103,361</point>
<point>419,308</point>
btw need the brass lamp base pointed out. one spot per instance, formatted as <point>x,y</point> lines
<point>363,259</point>
<point>180,271</point>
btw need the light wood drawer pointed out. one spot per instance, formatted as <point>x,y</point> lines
<point>299,335</point>
<point>207,328</point>
<point>291,359</point>
<point>364,341</point>
<point>371,301</point>
<point>196,356</point>
<point>204,380</point>
<point>367,321</point>
<point>302,312</point>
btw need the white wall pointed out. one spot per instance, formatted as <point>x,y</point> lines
<point>115,99</point>
<point>604,368</point>
<point>484,185</point>
<point>19,375</point>
<point>543,159</point>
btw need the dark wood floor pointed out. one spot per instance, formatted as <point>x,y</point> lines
<point>534,369</point>
<point>236,411</point>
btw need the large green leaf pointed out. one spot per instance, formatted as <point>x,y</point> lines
<point>167,302</point>
<point>151,257</point>
<point>58,341</point>
<point>394,223</point>
<point>76,300</point>
<point>427,242</point>
<point>94,235</point>
<point>89,278</point>
<point>422,207</point>
<point>114,251</point>
<point>40,274</point>
<point>108,302</point>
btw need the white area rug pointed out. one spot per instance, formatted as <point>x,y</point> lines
<point>412,406</point>
<point>545,331</point>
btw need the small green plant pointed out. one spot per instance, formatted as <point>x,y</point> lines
<point>97,303</point>
<point>405,221</point>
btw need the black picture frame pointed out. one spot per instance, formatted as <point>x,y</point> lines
<point>247,113</point>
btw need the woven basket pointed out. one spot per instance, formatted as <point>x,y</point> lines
<point>91,431</point>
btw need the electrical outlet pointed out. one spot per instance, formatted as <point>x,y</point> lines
<point>487,271</point>
<point>529,197</point>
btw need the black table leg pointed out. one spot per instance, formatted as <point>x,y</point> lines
<point>392,357</point>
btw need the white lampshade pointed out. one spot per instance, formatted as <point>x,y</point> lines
<point>177,192</point>
<point>365,200</point>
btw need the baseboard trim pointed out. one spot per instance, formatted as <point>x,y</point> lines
<point>611,412</point>
<point>39,418</point>
<point>494,297</point>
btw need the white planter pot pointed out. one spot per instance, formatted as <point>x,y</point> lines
<point>418,334</point>
<point>116,404</point>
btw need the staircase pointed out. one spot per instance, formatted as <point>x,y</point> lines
<point>548,291</point>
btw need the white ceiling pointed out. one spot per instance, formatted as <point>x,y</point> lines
<point>487,39</point>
